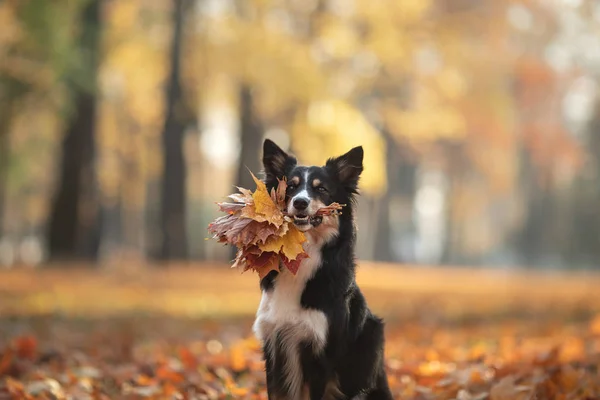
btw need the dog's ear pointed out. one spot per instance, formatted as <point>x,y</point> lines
<point>348,167</point>
<point>277,163</point>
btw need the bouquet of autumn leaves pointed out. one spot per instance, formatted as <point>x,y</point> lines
<point>256,223</point>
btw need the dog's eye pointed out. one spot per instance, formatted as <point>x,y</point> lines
<point>291,187</point>
<point>321,189</point>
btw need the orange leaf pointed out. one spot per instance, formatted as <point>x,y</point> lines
<point>6,361</point>
<point>333,208</point>
<point>290,244</point>
<point>188,359</point>
<point>238,357</point>
<point>26,347</point>
<point>507,390</point>
<point>595,325</point>
<point>167,374</point>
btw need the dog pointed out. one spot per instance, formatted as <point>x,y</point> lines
<point>319,339</point>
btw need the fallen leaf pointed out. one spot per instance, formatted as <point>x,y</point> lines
<point>26,347</point>
<point>507,390</point>
<point>595,325</point>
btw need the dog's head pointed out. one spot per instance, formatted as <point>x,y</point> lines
<point>312,187</point>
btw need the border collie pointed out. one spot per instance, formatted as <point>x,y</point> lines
<point>320,340</point>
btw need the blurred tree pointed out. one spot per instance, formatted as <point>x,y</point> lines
<point>15,82</point>
<point>4,154</point>
<point>173,193</point>
<point>11,91</point>
<point>584,243</point>
<point>74,219</point>
<point>250,125</point>
<point>549,153</point>
<point>251,134</point>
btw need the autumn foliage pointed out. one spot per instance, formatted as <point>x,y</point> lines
<point>451,334</point>
<point>257,224</point>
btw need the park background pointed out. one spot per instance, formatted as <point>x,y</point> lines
<point>479,120</point>
<point>122,123</point>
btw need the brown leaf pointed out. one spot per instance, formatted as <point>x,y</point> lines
<point>231,208</point>
<point>188,358</point>
<point>6,360</point>
<point>507,390</point>
<point>230,228</point>
<point>26,347</point>
<point>280,193</point>
<point>245,196</point>
<point>257,225</point>
<point>263,263</point>
<point>294,265</point>
<point>333,208</point>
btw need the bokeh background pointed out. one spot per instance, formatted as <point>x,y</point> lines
<point>123,122</point>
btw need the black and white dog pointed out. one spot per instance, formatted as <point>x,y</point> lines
<point>320,340</point>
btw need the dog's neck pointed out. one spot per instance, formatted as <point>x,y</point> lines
<point>324,233</point>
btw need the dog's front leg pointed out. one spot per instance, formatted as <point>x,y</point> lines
<point>270,373</point>
<point>319,375</point>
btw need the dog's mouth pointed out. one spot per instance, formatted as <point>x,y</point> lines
<point>306,221</point>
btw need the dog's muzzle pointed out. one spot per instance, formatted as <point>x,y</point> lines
<point>303,215</point>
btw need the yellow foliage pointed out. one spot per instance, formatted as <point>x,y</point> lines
<point>427,125</point>
<point>126,16</point>
<point>451,83</point>
<point>264,205</point>
<point>339,40</point>
<point>289,244</point>
<point>334,127</point>
<point>11,30</point>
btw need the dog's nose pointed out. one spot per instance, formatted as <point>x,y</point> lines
<point>301,204</point>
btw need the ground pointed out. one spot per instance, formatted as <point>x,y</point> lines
<point>184,333</point>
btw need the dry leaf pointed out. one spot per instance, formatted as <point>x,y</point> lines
<point>333,208</point>
<point>506,389</point>
<point>257,224</point>
<point>264,205</point>
<point>289,244</point>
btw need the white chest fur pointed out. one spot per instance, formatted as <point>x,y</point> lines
<point>280,312</point>
<point>281,307</point>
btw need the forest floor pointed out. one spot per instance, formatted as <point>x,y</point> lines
<point>185,333</point>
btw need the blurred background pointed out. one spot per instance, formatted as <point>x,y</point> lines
<point>123,122</point>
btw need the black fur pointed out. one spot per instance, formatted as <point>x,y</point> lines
<point>353,354</point>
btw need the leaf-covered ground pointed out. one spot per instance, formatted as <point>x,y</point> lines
<point>185,333</point>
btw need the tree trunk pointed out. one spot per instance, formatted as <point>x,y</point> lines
<point>251,133</point>
<point>4,153</point>
<point>457,168</point>
<point>383,244</point>
<point>401,189</point>
<point>173,205</point>
<point>74,219</point>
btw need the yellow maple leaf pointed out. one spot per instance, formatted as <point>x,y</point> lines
<point>264,205</point>
<point>289,244</point>
<point>249,211</point>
